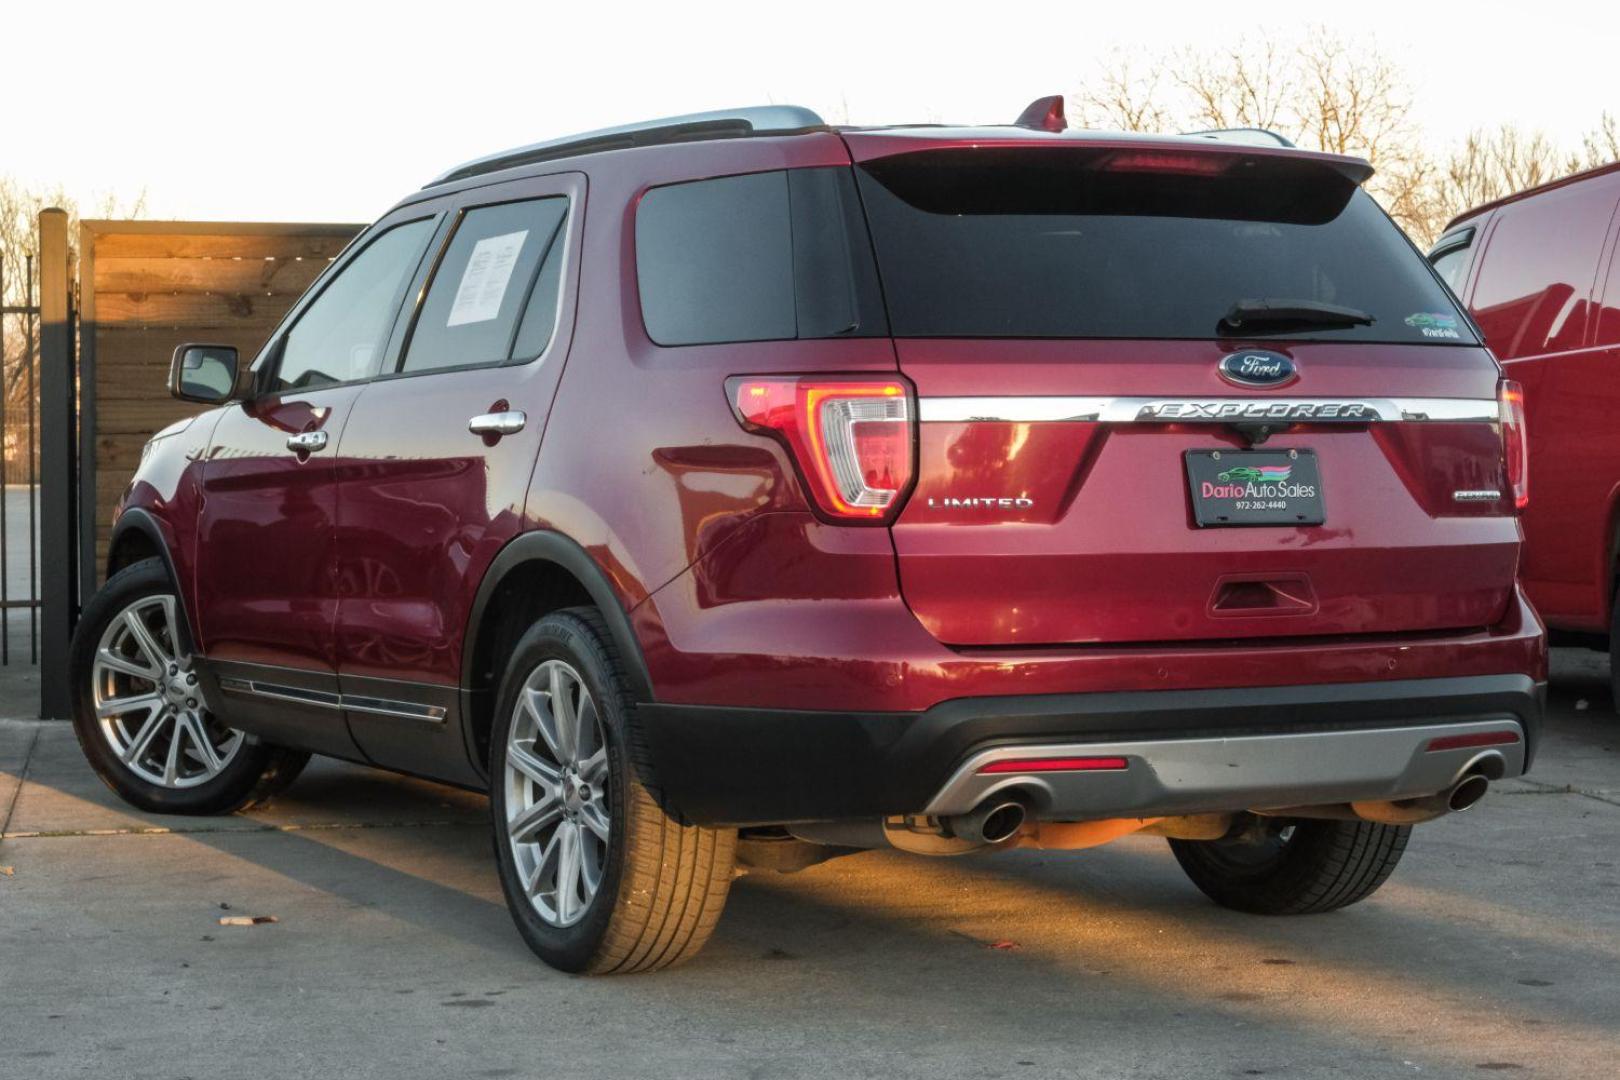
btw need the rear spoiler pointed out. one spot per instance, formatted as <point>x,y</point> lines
<point>1045,114</point>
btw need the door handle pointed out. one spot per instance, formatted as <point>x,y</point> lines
<point>307,442</point>
<point>498,423</point>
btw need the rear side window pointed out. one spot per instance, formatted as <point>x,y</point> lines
<point>763,257</point>
<point>1451,256</point>
<point>493,296</point>
<point>1104,243</point>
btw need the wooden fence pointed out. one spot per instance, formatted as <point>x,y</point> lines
<point>147,286</point>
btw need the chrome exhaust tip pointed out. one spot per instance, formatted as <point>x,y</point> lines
<point>1469,790</point>
<point>1458,797</point>
<point>997,819</point>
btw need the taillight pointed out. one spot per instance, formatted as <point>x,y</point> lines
<point>1197,163</point>
<point>1515,442</point>
<point>851,438</point>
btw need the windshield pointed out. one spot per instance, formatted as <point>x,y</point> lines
<point>1099,243</point>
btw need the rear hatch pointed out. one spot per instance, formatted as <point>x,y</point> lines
<point>1172,394</point>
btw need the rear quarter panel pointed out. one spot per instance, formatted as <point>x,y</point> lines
<point>644,464</point>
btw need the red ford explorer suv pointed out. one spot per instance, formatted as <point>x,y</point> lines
<point>735,488</point>
<point>1540,274</point>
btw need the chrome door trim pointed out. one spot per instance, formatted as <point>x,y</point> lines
<point>407,710</point>
<point>231,684</point>
<point>1205,410</point>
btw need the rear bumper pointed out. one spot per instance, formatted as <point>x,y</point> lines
<point>1187,750</point>
<point>1158,777</point>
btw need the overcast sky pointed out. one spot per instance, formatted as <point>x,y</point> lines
<point>330,111</point>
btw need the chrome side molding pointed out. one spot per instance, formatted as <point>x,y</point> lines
<point>407,710</point>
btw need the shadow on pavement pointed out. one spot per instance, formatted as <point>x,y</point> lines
<point>1492,947</point>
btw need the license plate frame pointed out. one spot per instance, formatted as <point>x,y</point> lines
<point>1280,488</point>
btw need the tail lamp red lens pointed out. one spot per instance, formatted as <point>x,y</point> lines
<point>1056,764</point>
<point>852,439</point>
<point>1515,441</point>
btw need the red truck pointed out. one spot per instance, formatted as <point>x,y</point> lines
<point>1539,273</point>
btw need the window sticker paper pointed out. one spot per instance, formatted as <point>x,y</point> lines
<point>484,282</point>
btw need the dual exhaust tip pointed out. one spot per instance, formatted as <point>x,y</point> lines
<point>1000,818</point>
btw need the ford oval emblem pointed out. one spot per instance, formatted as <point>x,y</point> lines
<point>1258,367</point>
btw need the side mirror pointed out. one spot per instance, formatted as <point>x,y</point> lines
<point>205,373</point>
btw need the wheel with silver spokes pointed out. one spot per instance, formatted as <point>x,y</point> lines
<point>149,703</point>
<point>141,712</point>
<point>557,818</point>
<point>598,876</point>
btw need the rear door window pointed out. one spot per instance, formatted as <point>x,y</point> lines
<point>762,257</point>
<point>1103,243</point>
<point>493,296</point>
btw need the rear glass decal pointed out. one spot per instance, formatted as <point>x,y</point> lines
<point>483,284</point>
<point>1433,324</point>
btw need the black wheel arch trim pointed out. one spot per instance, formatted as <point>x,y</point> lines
<point>135,519</point>
<point>545,545</point>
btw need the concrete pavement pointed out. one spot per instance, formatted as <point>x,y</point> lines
<point>1494,949</point>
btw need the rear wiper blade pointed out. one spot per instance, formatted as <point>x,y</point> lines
<point>1285,316</point>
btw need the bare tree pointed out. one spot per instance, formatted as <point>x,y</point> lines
<point>1239,89</point>
<point>19,266</point>
<point>1352,101</point>
<point>1491,164</point>
<point>19,225</point>
<point>1601,145</point>
<point>1123,99</point>
<point>1345,97</point>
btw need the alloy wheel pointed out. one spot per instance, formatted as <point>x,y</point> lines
<point>558,820</point>
<point>149,705</point>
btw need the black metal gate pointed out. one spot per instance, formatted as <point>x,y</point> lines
<point>38,470</point>
<point>19,465</point>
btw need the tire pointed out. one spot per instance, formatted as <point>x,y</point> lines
<point>151,754</point>
<point>659,885</point>
<point>1614,651</point>
<point>1276,867</point>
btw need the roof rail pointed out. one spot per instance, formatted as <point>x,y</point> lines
<point>1248,136</point>
<point>722,124</point>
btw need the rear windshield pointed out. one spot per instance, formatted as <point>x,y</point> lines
<point>1103,243</point>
